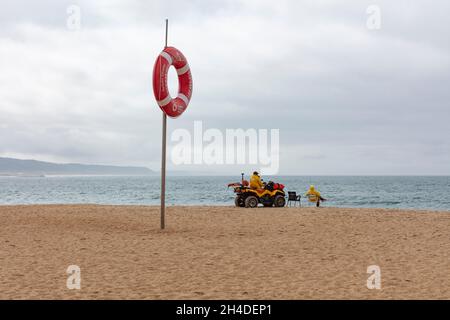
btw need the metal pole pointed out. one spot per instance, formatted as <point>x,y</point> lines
<point>167,31</point>
<point>163,156</point>
<point>163,171</point>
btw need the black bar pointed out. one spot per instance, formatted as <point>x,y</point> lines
<point>220,309</point>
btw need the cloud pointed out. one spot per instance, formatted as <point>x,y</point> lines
<point>346,99</point>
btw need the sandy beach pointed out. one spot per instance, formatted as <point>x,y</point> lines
<point>222,253</point>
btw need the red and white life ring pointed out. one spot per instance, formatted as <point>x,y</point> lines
<point>173,107</point>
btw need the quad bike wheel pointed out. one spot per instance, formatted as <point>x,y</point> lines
<point>239,201</point>
<point>279,201</point>
<point>251,202</point>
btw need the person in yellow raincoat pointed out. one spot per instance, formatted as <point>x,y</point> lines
<point>314,195</point>
<point>255,181</point>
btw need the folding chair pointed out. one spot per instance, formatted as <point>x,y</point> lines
<point>293,197</point>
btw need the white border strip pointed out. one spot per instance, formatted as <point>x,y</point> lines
<point>184,98</point>
<point>183,70</point>
<point>167,56</point>
<point>165,101</point>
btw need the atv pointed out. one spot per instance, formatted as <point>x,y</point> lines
<point>271,195</point>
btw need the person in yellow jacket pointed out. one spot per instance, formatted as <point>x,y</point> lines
<point>255,181</point>
<point>314,195</point>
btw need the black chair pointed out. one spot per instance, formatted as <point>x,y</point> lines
<point>293,197</point>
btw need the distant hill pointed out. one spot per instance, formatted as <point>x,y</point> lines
<point>9,166</point>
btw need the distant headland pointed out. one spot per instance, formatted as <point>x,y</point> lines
<point>18,167</point>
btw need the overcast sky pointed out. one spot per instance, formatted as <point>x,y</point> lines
<point>347,99</point>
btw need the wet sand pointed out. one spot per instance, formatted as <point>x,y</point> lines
<point>222,253</point>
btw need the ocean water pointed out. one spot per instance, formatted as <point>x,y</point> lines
<point>379,192</point>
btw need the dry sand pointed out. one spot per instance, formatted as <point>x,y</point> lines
<point>222,253</point>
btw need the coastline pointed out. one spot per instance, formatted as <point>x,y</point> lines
<point>219,252</point>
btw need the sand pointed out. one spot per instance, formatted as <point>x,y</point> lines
<point>222,253</point>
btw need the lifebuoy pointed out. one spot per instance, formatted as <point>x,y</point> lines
<point>173,107</point>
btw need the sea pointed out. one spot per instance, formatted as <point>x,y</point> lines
<point>403,192</point>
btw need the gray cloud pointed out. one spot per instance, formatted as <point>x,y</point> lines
<point>347,100</point>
